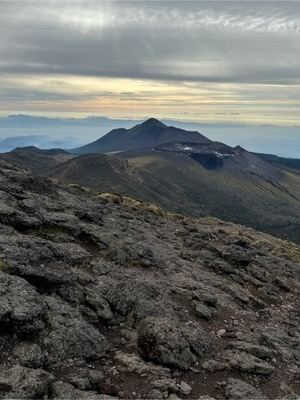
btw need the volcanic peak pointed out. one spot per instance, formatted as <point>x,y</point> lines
<point>153,121</point>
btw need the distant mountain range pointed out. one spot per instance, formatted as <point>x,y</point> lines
<point>71,133</point>
<point>22,120</point>
<point>25,130</point>
<point>183,172</point>
<point>36,150</point>
<point>39,141</point>
<point>25,121</point>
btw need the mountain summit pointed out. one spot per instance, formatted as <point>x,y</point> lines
<point>148,134</point>
<point>153,121</point>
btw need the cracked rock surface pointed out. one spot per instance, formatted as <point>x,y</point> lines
<point>104,301</point>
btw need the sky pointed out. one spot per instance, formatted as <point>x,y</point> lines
<point>204,61</point>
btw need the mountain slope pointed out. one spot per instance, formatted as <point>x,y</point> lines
<point>104,301</point>
<point>235,186</point>
<point>104,174</point>
<point>194,177</point>
<point>39,162</point>
<point>150,133</point>
<point>292,164</point>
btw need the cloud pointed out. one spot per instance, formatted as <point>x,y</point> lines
<point>202,41</point>
<point>226,58</point>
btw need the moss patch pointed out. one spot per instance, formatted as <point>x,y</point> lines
<point>113,198</point>
<point>4,266</point>
<point>83,189</point>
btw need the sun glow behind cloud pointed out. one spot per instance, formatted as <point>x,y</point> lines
<point>115,97</point>
<point>206,61</point>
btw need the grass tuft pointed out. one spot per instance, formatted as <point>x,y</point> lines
<point>113,198</point>
<point>82,188</point>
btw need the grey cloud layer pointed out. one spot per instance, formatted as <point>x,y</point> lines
<point>252,42</point>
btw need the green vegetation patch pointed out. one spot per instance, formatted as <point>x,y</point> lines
<point>288,250</point>
<point>4,266</point>
<point>180,217</point>
<point>113,198</point>
<point>278,247</point>
<point>83,189</point>
<point>136,205</point>
<point>143,206</point>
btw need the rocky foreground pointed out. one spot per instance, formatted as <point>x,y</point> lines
<point>105,301</point>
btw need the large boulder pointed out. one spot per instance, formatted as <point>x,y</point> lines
<point>68,335</point>
<point>24,383</point>
<point>134,364</point>
<point>132,300</point>
<point>285,343</point>
<point>21,307</point>
<point>247,363</point>
<point>164,341</point>
<point>29,354</point>
<point>240,390</point>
